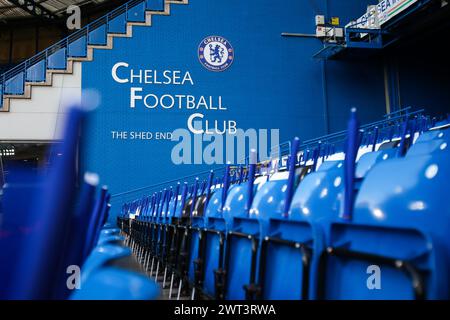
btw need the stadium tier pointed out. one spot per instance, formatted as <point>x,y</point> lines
<point>311,223</point>
<point>307,225</point>
<point>224,150</point>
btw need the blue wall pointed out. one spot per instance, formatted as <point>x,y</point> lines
<point>274,82</point>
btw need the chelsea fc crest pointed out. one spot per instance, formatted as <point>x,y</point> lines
<point>216,53</point>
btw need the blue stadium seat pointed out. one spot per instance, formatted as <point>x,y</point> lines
<point>285,258</point>
<point>399,226</point>
<point>370,159</point>
<point>317,201</point>
<point>214,245</point>
<point>197,238</point>
<point>112,283</point>
<point>36,274</point>
<point>430,142</point>
<point>248,221</point>
<point>317,229</point>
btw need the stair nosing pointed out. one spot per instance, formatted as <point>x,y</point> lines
<point>89,57</point>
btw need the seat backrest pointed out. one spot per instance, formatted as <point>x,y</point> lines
<point>214,208</point>
<point>401,226</point>
<point>242,228</point>
<point>214,240</point>
<point>394,143</point>
<point>94,222</point>
<point>174,205</point>
<point>127,286</point>
<point>370,159</point>
<point>237,198</point>
<point>434,135</point>
<point>269,199</point>
<point>39,267</point>
<point>15,224</point>
<point>199,206</point>
<point>319,196</point>
<point>429,147</point>
<point>317,202</point>
<point>282,271</point>
<point>246,229</point>
<point>73,253</point>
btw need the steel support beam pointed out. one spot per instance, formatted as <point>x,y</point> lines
<point>34,8</point>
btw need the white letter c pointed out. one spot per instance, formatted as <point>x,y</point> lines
<point>114,72</point>
<point>191,120</point>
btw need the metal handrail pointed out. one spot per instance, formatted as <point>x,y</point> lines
<point>168,182</point>
<point>328,137</point>
<point>64,43</point>
<point>387,123</point>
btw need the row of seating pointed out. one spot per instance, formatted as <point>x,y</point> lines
<point>367,220</point>
<point>54,243</point>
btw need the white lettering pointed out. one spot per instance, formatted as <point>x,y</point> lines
<point>114,72</point>
<point>190,123</point>
<point>134,97</point>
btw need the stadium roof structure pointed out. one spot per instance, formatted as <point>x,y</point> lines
<point>44,9</point>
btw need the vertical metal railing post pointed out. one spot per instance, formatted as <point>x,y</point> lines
<point>66,52</point>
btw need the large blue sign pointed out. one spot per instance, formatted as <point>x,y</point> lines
<point>202,86</point>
